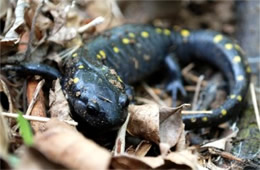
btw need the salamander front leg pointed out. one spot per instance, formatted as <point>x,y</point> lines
<point>175,83</point>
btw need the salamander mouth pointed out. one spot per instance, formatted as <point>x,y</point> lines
<point>101,121</point>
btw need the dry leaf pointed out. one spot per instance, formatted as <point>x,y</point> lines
<point>143,148</point>
<point>58,104</point>
<point>171,127</point>
<point>119,147</point>
<point>144,122</point>
<point>221,143</point>
<point>162,125</point>
<point>3,8</point>
<point>18,27</point>
<point>67,37</point>
<point>64,145</point>
<point>32,159</point>
<point>4,137</point>
<point>128,162</point>
<point>184,157</point>
<point>5,91</point>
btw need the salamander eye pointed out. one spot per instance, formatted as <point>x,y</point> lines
<point>92,108</point>
<point>123,100</point>
<point>80,106</point>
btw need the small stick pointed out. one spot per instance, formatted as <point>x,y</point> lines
<point>31,35</point>
<point>36,118</point>
<point>196,112</point>
<point>253,97</point>
<point>188,75</point>
<point>225,155</point>
<point>93,23</point>
<point>152,94</point>
<point>196,95</point>
<point>35,95</point>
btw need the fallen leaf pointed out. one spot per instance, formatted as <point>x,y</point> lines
<point>119,147</point>
<point>64,145</point>
<point>221,143</point>
<point>184,157</point>
<point>18,27</point>
<point>159,124</point>
<point>144,122</point>
<point>171,127</point>
<point>5,91</point>
<point>58,104</point>
<point>31,158</point>
<point>4,137</point>
<point>128,162</point>
<point>3,8</point>
<point>143,148</point>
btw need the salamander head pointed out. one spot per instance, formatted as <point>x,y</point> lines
<point>97,97</point>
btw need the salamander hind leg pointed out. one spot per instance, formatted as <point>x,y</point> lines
<point>175,84</point>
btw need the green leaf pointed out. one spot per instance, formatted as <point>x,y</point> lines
<point>25,130</point>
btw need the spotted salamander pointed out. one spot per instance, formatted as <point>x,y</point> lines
<point>96,75</point>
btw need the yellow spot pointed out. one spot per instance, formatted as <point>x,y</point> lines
<point>204,119</point>
<point>228,46</point>
<point>116,50</point>
<point>158,30</point>
<point>237,59</point>
<point>240,78</point>
<point>99,56</point>
<point>81,66</point>
<point>125,40</point>
<point>102,53</point>
<point>145,34</point>
<point>185,33</point>
<point>248,69</point>
<point>218,38</point>
<point>167,32</point>
<point>239,98</point>
<point>223,112</point>
<point>131,35</point>
<point>232,96</point>
<point>75,55</point>
<point>76,80</point>
<point>119,79</point>
<point>193,120</point>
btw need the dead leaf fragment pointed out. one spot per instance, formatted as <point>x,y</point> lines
<point>184,157</point>
<point>171,127</point>
<point>161,125</point>
<point>59,106</point>
<point>144,122</point>
<point>5,91</point>
<point>128,162</point>
<point>31,158</point>
<point>64,145</point>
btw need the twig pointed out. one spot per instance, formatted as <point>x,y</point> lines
<point>196,112</point>
<point>31,35</point>
<point>35,96</point>
<point>93,23</point>
<point>36,118</point>
<point>197,92</point>
<point>225,155</point>
<point>253,97</point>
<point>152,94</point>
<point>190,76</point>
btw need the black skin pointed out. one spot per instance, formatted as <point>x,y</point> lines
<point>95,75</point>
